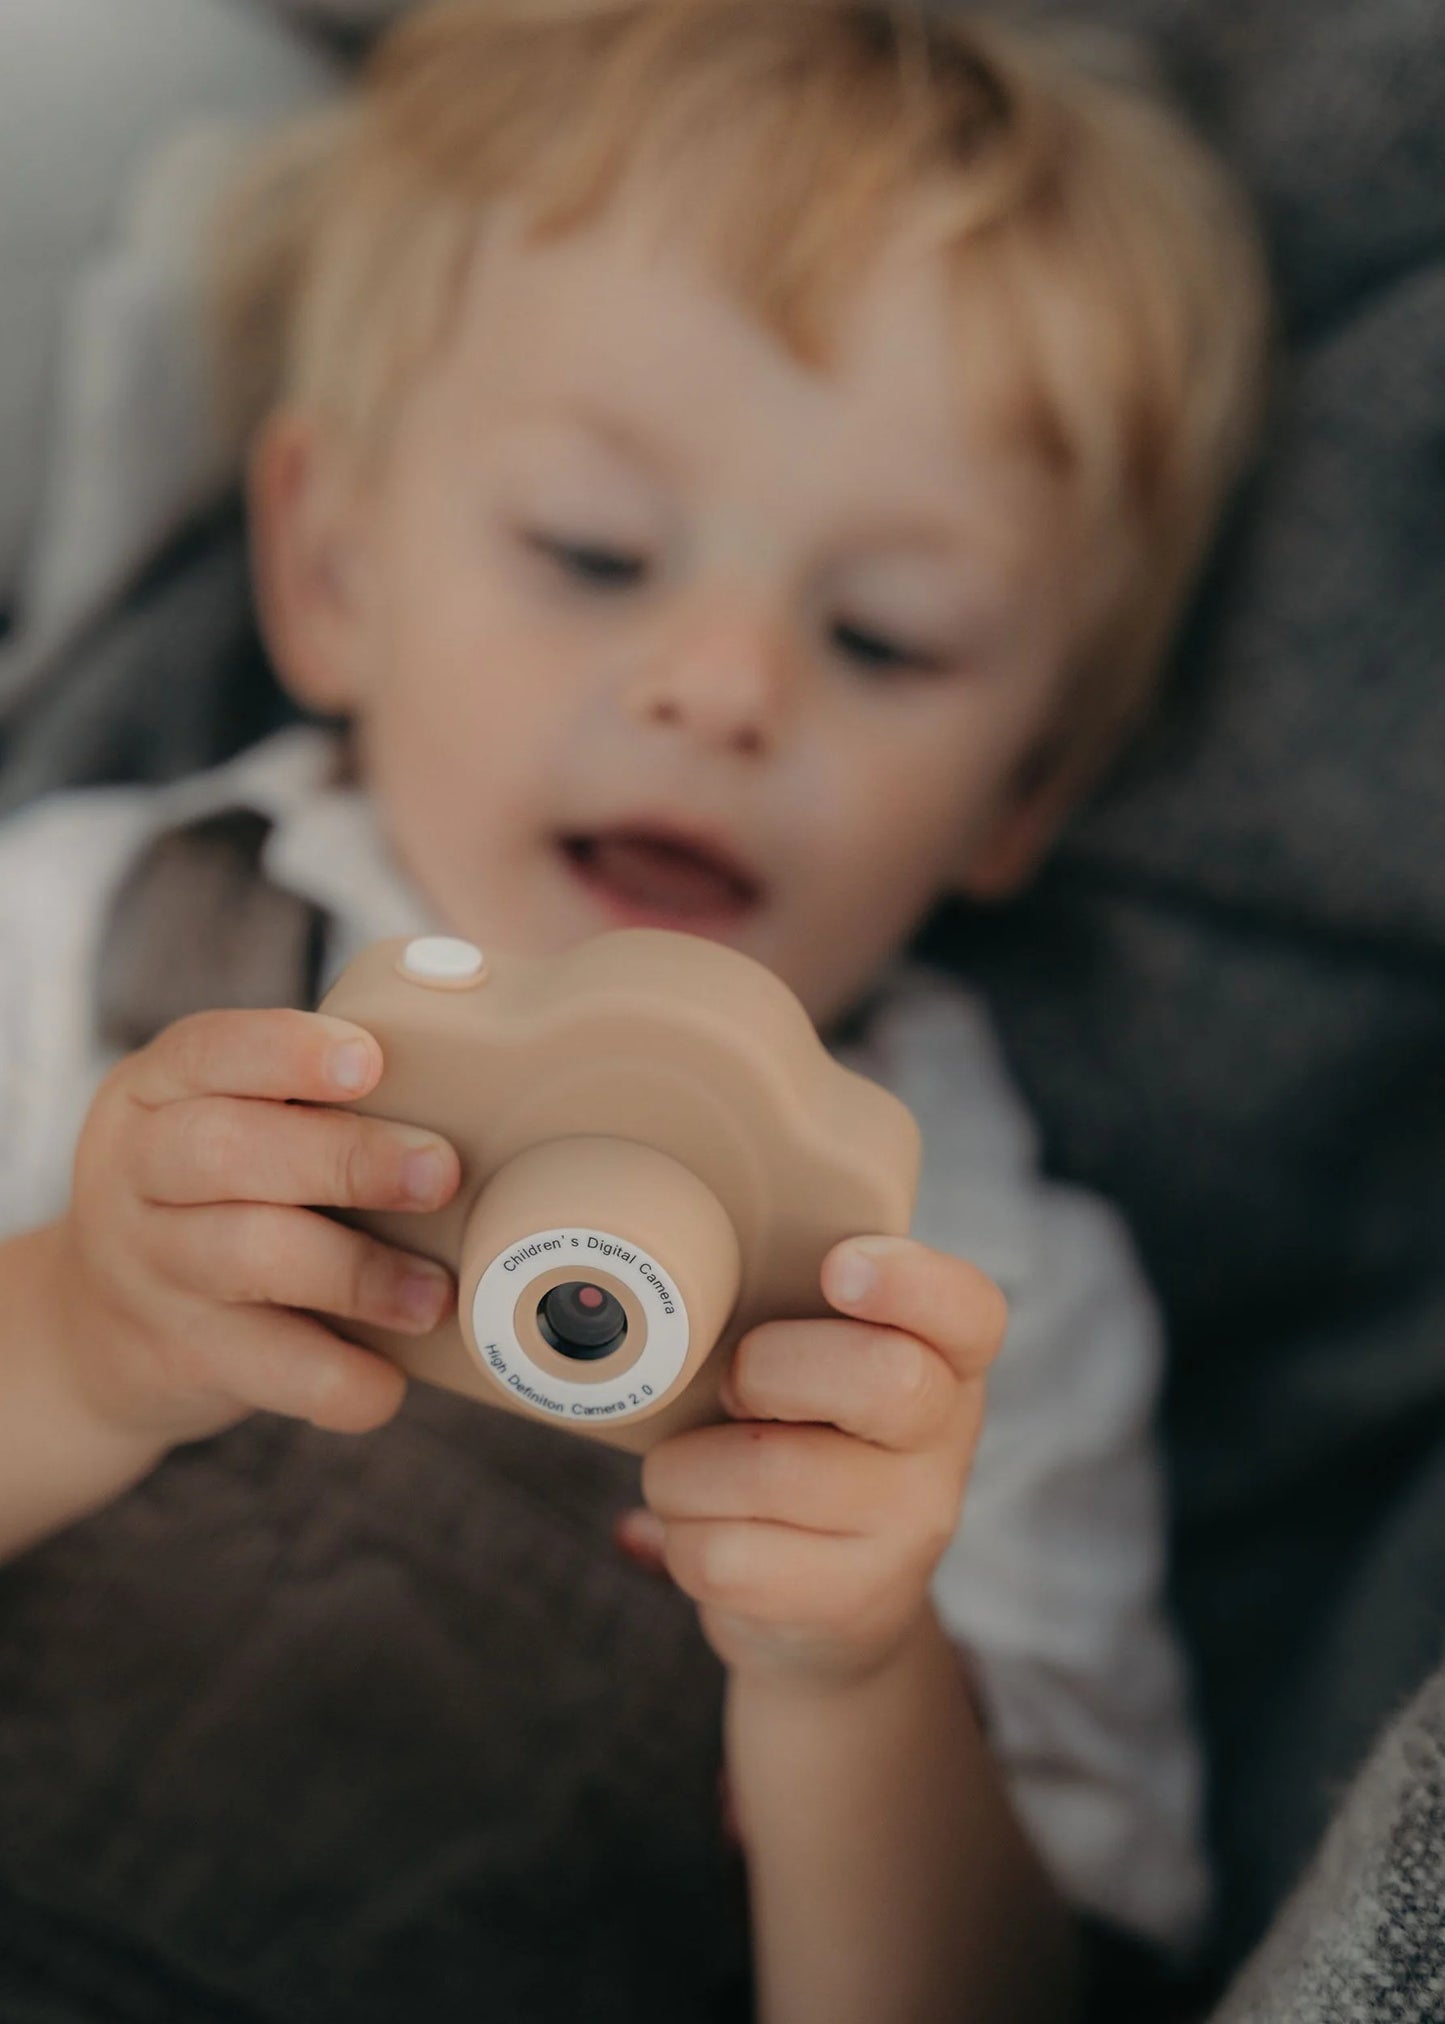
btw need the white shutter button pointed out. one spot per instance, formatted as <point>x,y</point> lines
<point>443,962</point>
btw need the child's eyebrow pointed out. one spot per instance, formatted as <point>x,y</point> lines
<point>947,526</point>
<point>615,432</point>
<point>966,535</point>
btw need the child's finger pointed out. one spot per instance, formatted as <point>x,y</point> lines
<point>812,1582</point>
<point>812,1477</point>
<point>237,1149</point>
<point>281,1054</point>
<point>640,1535</point>
<point>945,1300</point>
<point>879,1384</point>
<point>253,1254</point>
<point>278,1362</point>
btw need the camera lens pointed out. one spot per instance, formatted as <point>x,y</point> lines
<point>582,1321</point>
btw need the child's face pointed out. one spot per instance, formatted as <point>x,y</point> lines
<point>643,622</point>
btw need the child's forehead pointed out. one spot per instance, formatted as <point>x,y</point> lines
<point>631,325</point>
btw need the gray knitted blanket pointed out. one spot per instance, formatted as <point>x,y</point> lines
<point>1363,1940</point>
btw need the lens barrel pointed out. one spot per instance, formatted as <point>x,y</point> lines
<point>582,1320</point>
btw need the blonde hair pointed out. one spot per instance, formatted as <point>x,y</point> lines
<point>1106,265</point>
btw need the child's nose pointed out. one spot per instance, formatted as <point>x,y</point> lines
<point>720,676</point>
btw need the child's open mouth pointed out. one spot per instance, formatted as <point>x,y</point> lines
<point>657,877</point>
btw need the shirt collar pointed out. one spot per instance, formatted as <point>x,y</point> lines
<point>327,844</point>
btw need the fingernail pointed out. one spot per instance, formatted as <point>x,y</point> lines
<point>852,1275</point>
<point>424,1294</point>
<point>424,1174</point>
<point>350,1065</point>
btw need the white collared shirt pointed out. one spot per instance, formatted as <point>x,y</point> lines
<point>1054,1581</point>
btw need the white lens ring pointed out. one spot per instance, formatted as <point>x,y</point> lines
<point>596,1401</point>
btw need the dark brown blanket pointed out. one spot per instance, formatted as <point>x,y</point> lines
<point>318,1729</point>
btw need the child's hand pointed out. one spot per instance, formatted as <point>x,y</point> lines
<point>190,1270</point>
<point>808,1533</point>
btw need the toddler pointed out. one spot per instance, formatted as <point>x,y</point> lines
<point>731,467</point>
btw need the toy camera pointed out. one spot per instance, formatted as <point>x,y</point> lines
<point>657,1153</point>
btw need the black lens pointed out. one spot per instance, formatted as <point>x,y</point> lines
<point>582,1320</point>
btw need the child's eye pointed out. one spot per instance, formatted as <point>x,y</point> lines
<point>872,650</point>
<point>589,563</point>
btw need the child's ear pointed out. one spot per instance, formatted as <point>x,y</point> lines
<point>1001,861</point>
<point>304,530</point>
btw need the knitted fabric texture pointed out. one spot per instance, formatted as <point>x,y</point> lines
<point>1363,1940</point>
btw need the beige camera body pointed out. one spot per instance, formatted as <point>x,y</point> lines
<point>657,1153</point>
